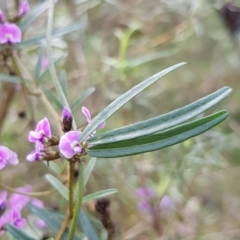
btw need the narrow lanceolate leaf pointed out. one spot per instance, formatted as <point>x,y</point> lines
<point>88,169</point>
<point>57,185</point>
<point>99,194</point>
<point>63,81</point>
<point>38,67</point>
<point>159,140</point>
<point>10,79</point>
<point>18,234</point>
<point>52,98</point>
<point>119,102</point>
<point>87,226</point>
<point>51,219</point>
<point>55,34</point>
<point>161,122</point>
<point>81,98</point>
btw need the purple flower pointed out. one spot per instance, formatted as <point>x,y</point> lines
<point>45,62</point>
<point>69,145</point>
<point>2,17</point>
<point>10,33</point>
<point>23,8</point>
<point>66,120</point>
<point>146,193</point>
<point>7,157</point>
<point>19,201</point>
<point>42,132</point>
<point>37,154</point>
<point>13,216</point>
<point>167,203</point>
<point>87,114</point>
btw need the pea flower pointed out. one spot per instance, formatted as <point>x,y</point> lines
<point>66,120</point>
<point>69,145</point>
<point>37,154</point>
<point>18,201</point>
<point>87,114</point>
<point>42,132</point>
<point>10,33</point>
<point>14,217</point>
<point>7,157</point>
<point>23,8</point>
<point>146,196</point>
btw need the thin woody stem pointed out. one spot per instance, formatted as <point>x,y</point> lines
<point>63,227</point>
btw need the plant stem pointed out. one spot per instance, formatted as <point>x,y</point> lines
<point>63,227</point>
<point>79,197</point>
<point>71,185</point>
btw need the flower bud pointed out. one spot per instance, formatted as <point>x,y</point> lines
<point>66,120</point>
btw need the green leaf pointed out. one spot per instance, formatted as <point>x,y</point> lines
<point>51,219</point>
<point>37,71</point>
<point>161,122</point>
<point>150,57</point>
<point>159,140</point>
<point>57,185</point>
<point>87,226</point>
<point>53,99</point>
<point>99,194</point>
<point>10,79</point>
<point>46,73</point>
<point>18,234</point>
<point>63,81</point>
<point>53,166</point>
<point>88,169</point>
<point>81,98</point>
<point>33,14</point>
<point>119,102</point>
<point>55,34</point>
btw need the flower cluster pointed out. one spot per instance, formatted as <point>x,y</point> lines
<point>10,33</point>
<point>68,143</point>
<point>10,208</point>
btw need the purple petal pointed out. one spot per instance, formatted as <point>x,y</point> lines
<point>2,165</point>
<point>23,8</point>
<point>40,223</point>
<point>143,205</point>
<point>145,193</point>
<point>44,127</point>
<point>4,153</point>
<point>45,62</point>
<point>34,136</point>
<point>20,222</point>
<point>34,156</point>
<point>10,33</point>
<point>38,203</point>
<point>13,158</point>
<point>65,147</point>
<point>87,114</point>
<point>69,145</point>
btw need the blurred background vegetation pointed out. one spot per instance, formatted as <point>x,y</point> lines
<point>121,43</point>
